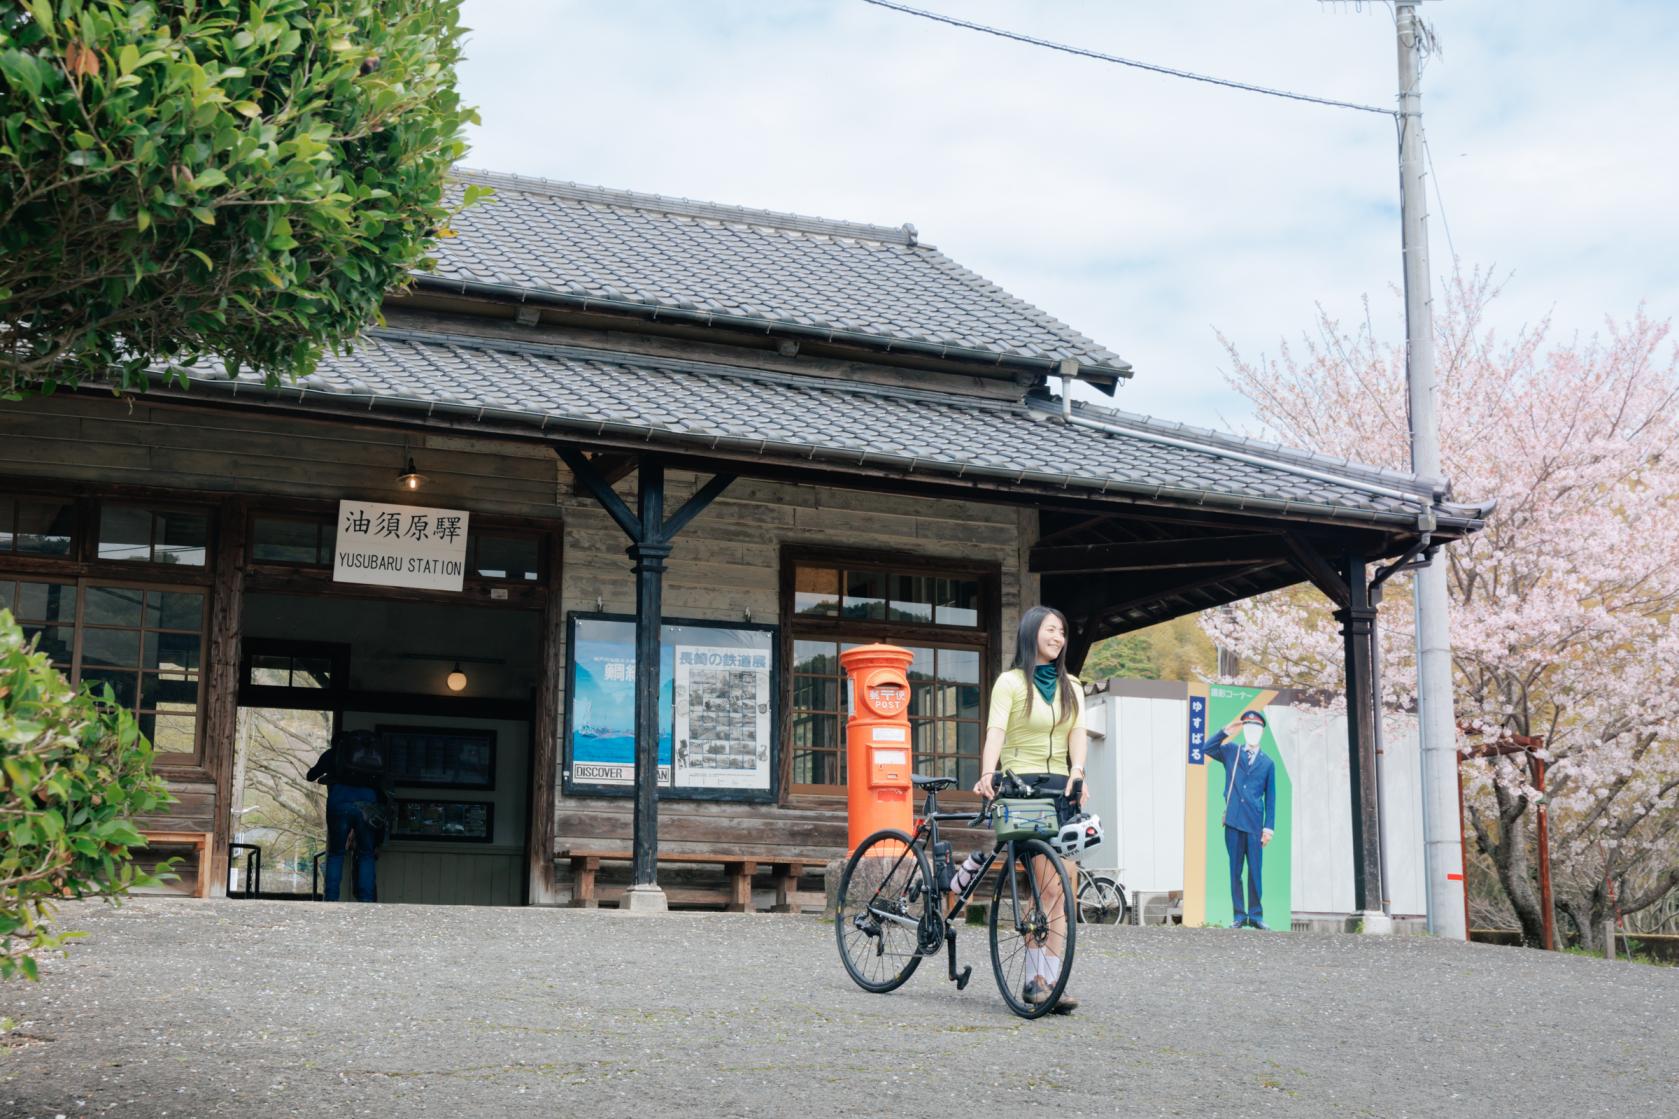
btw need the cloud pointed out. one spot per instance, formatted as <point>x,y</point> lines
<point>1148,212</point>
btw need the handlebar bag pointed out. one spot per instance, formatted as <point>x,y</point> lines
<point>1022,818</point>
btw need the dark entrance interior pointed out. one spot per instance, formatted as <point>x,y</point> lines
<point>450,688</point>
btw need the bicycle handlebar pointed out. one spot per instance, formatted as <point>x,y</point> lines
<point>1010,786</point>
<point>1014,786</point>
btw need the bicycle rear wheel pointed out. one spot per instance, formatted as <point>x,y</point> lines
<point>1101,901</point>
<point>1034,926</point>
<point>886,897</point>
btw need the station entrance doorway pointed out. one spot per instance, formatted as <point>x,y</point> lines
<point>450,691</point>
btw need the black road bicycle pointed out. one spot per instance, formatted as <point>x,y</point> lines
<point>895,906</point>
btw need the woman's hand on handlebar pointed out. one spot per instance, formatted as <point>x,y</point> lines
<point>986,786</point>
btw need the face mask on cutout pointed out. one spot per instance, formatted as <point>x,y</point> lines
<point>1251,733</point>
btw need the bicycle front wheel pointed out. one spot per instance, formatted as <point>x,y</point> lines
<point>1034,926</point>
<point>886,897</point>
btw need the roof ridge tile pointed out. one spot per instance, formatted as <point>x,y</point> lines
<point>611,198</point>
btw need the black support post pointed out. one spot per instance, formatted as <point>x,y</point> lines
<point>1358,631</point>
<point>650,545</point>
<point>649,555</point>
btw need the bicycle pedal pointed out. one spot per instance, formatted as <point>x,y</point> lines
<point>962,980</point>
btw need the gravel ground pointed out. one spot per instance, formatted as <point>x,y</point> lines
<point>239,1008</point>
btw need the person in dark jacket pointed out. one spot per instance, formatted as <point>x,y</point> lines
<point>1250,812</point>
<point>353,801</point>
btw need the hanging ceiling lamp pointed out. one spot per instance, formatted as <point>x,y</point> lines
<point>410,478</point>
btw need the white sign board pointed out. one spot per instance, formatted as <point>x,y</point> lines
<point>722,709</point>
<point>399,546</point>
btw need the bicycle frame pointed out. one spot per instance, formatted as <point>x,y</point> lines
<point>926,838</point>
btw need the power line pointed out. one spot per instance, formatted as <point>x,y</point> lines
<point>1100,57</point>
<point>1440,199</point>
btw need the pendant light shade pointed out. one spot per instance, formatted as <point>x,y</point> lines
<point>410,478</point>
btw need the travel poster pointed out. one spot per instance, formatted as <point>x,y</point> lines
<point>716,703</point>
<point>603,704</point>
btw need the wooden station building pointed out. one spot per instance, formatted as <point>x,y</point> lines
<point>807,433</point>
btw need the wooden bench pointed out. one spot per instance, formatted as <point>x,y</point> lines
<point>735,896</point>
<point>197,839</point>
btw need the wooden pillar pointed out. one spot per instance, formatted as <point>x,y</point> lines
<point>649,554</point>
<point>540,888</point>
<point>1358,619</point>
<point>221,681</point>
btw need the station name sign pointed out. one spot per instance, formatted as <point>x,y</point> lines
<point>400,546</point>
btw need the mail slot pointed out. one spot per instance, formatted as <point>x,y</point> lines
<point>879,752</point>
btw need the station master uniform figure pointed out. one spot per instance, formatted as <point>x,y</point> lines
<point>1250,811</point>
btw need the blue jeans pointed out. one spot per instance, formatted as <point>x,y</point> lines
<point>345,816</point>
<point>1240,845</point>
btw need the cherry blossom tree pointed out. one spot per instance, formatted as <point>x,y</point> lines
<point>1563,615</point>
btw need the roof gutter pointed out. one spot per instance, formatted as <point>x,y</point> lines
<point>1107,377</point>
<point>1427,503</point>
<point>543,423</point>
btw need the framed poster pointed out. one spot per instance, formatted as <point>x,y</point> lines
<point>465,821</point>
<point>717,709</point>
<point>440,757</point>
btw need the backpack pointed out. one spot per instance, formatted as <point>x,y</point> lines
<point>358,758</point>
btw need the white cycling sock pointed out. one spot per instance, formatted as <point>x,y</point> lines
<point>1034,964</point>
<point>1052,969</point>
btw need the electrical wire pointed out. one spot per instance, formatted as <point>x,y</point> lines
<point>1439,199</point>
<point>1100,57</point>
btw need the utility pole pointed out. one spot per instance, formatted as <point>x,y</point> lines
<point>1437,717</point>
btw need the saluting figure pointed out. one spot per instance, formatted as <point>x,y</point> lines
<point>1250,811</point>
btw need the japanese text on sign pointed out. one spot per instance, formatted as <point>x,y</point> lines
<point>1197,729</point>
<point>400,546</point>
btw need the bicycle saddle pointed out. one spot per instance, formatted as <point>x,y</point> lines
<point>933,783</point>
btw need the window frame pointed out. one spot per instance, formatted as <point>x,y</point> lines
<point>87,506</point>
<point>983,638</point>
<point>95,521</point>
<point>78,526</point>
<point>286,695</point>
<point>73,671</point>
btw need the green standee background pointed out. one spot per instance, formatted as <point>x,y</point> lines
<point>1223,705</point>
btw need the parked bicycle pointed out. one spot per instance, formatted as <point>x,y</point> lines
<point>895,905</point>
<point>1102,900</point>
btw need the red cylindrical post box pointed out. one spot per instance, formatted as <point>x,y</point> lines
<point>878,748</point>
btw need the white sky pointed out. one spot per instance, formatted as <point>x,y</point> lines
<point>1147,211</point>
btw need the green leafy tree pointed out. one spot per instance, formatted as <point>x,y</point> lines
<point>74,770</point>
<point>1127,655</point>
<point>237,179</point>
<point>1174,650</point>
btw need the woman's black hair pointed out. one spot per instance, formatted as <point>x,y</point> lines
<point>1026,659</point>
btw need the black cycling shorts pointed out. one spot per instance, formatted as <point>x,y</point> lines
<point>1052,784</point>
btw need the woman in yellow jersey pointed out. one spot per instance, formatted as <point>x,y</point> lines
<point>1036,731</point>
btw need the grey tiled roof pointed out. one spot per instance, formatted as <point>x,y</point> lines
<point>861,283</point>
<point>696,406</point>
